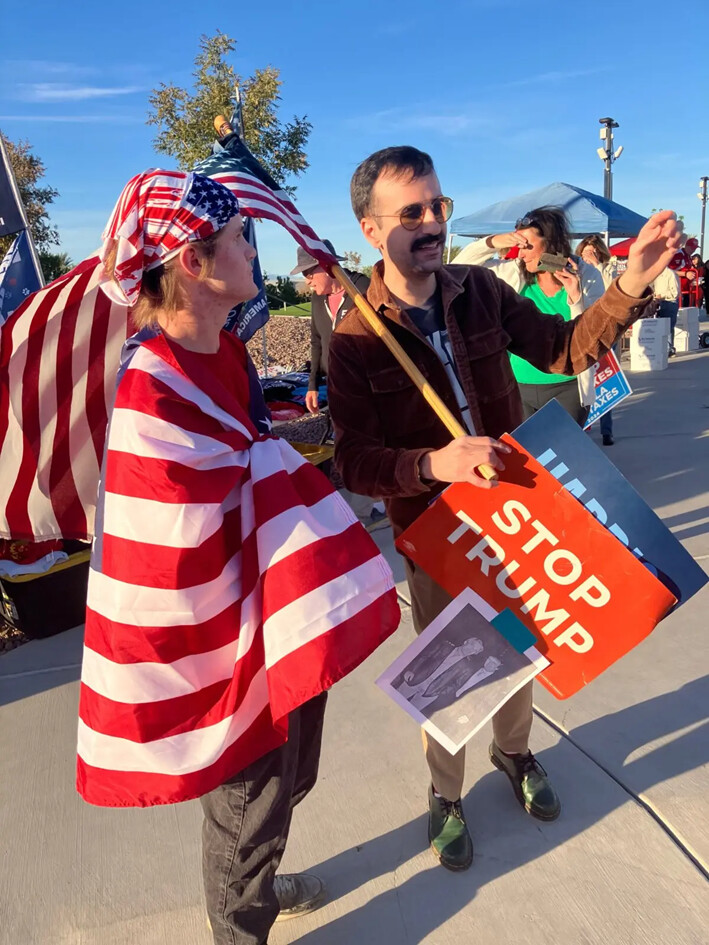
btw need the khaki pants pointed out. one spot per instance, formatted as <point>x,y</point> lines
<point>511,725</point>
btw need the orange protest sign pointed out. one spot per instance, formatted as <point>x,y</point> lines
<point>530,546</point>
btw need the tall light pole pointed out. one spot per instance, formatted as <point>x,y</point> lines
<point>608,155</point>
<point>703,197</point>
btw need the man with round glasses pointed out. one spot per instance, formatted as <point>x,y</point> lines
<point>457,324</point>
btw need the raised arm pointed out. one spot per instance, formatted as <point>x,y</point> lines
<point>559,347</point>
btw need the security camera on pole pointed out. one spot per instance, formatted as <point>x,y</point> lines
<point>608,155</point>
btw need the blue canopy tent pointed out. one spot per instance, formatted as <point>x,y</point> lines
<point>587,213</point>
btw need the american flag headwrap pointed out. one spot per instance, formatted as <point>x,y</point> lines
<point>157,213</point>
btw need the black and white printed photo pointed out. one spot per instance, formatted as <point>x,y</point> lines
<point>459,672</point>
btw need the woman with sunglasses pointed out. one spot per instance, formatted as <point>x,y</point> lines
<point>566,292</point>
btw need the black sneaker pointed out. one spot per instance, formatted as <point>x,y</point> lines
<point>530,782</point>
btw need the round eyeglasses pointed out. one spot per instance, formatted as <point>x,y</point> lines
<point>412,215</point>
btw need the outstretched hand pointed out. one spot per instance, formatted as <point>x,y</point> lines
<point>652,252</point>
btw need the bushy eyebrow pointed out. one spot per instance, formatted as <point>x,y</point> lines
<point>417,203</point>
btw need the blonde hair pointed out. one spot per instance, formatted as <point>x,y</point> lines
<point>160,289</point>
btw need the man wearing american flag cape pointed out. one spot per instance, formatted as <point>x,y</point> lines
<point>230,585</point>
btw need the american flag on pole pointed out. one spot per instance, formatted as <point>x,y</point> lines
<point>59,354</point>
<point>230,585</point>
<point>260,196</point>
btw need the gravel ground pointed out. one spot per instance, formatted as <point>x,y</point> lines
<point>288,342</point>
<point>10,638</point>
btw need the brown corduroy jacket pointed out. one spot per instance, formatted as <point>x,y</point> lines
<point>383,425</point>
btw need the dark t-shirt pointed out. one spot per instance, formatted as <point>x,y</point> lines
<point>429,320</point>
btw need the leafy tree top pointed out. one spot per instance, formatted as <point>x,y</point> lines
<point>184,118</point>
<point>29,171</point>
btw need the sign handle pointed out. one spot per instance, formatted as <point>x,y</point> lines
<point>430,395</point>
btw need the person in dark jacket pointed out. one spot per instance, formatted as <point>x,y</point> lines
<point>330,303</point>
<point>457,323</point>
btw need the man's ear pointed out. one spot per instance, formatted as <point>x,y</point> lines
<point>370,229</point>
<point>189,261</point>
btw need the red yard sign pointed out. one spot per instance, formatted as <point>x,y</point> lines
<point>529,545</point>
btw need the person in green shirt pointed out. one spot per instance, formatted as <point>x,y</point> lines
<point>565,293</point>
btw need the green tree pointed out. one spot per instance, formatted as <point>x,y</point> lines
<point>185,118</point>
<point>55,265</point>
<point>454,252</point>
<point>29,171</point>
<point>284,291</point>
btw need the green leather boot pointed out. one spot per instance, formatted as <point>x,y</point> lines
<point>448,833</point>
<point>530,783</point>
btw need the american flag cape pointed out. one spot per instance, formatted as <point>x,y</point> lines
<point>229,584</point>
<point>59,354</point>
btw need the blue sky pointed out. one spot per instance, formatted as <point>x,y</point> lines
<point>505,96</point>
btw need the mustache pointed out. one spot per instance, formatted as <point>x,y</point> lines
<point>430,240</point>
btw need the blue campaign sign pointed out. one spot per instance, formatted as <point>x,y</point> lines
<point>245,319</point>
<point>561,446</point>
<point>611,388</point>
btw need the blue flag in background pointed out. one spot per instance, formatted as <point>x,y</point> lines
<point>245,320</point>
<point>18,276</point>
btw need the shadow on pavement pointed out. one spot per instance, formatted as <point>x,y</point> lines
<point>426,900</point>
<point>646,722</point>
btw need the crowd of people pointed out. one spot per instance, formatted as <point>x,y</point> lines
<point>496,341</point>
<point>515,257</point>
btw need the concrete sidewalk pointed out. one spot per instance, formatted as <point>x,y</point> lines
<point>626,864</point>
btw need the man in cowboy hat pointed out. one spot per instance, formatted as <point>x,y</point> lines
<point>330,303</point>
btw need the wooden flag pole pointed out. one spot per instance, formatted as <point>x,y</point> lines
<point>454,428</point>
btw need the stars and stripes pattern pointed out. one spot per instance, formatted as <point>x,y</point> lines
<point>59,352</point>
<point>229,585</point>
<point>260,196</point>
<point>157,213</point>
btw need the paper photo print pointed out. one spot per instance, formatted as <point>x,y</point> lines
<point>462,669</point>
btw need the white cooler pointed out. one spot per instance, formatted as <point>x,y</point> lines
<point>687,331</point>
<point>649,345</point>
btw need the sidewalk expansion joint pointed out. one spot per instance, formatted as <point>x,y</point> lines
<point>647,806</point>
<point>39,672</point>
